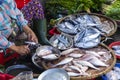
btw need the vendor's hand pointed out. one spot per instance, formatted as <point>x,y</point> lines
<point>22,50</point>
<point>31,34</point>
<point>32,37</point>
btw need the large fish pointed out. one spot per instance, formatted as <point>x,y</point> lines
<point>68,51</point>
<point>86,63</point>
<point>64,61</point>
<point>95,61</point>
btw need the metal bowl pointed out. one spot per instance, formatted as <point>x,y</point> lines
<point>16,69</point>
<point>54,74</point>
<point>47,50</point>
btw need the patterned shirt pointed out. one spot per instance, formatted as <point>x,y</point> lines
<point>9,12</point>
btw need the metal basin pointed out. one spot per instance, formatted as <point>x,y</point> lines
<point>54,74</point>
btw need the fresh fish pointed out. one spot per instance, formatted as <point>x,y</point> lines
<point>75,55</point>
<point>111,75</point>
<point>55,42</point>
<point>50,57</point>
<point>95,61</point>
<point>79,36</point>
<point>69,31</point>
<point>116,47</point>
<point>91,37</point>
<point>62,25</point>
<point>79,70</point>
<point>68,51</point>
<point>63,40</point>
<point>73,74</point>
<point>43,52</point>
<point>89,44</point>
<point>64,61</point>
<point>75,68</point>
<point>86,63</point>
<point>69,25</point>
<point>83,68</point>
<point>117,51</point>
<point>93,53</point>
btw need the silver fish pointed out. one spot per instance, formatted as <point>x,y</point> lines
<point>73,74</point>
<point>43,52</point>
<point>91,37</point>
<point>95,61</point>
<point>50,57</point>
<point>86,63</point>
<point>93,53</point>
<point>64,61</point>
<point>68,51</point>
<point>75,55</point>
<point>75,68</point>
<point>83,68</point>
<point>69,25</point>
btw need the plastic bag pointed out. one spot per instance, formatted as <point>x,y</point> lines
<point>26,75</point>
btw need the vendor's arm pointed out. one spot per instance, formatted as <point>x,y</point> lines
<point>4,44</point>
<point>22,23</point>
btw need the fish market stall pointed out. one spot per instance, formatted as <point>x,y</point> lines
<point>83,52</point>
<point>82,64</point>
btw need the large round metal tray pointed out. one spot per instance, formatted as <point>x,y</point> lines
<point>95,73</point>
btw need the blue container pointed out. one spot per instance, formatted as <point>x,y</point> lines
<point>104,77</point>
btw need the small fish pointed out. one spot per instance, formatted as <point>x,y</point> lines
<point>116,47</point>
<point>69,25</point>
<point>43,52</point>
<point>50,57</point>
<point>64,61</point>
<point>55,42</point>
<point>73,74</point>
<point>68,51</point>
<point>93,53</point>
<point>75,55</point>
<point>83,68</point>
<point>86,63</point>
<point>91,37</point>
<point>75,68</point>
<point>95,61</point>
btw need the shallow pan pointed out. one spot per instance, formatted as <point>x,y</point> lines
<point>54,74</point>
<point>16,69</point>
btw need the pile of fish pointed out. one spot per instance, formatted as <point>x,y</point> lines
<point>77,62</point>
<point>61,41</point>
<point>47,52</point>
<point>87,30</point>
<point>114,74</point>
<point>116,49</point>
<point>76,23</point>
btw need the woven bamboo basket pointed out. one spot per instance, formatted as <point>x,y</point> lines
<point>102,18</point>
<point>94,73</point>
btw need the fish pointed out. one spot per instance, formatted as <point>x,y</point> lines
<point>43,52</point>
<point>69,25</point>
<point>91,37</point>
<point>55,42</point>
<point>75,55</point>
<point>75,68</point>
<point>83,68</point>
<point>73,74</point>
<point>95,61</point>
<point>51,57</point>
<point>111,75</point>
<point>86,63</point>
<point>64,61</point>
<point>68,51</point>
<point>116,47</point>
<point>93,53</point>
